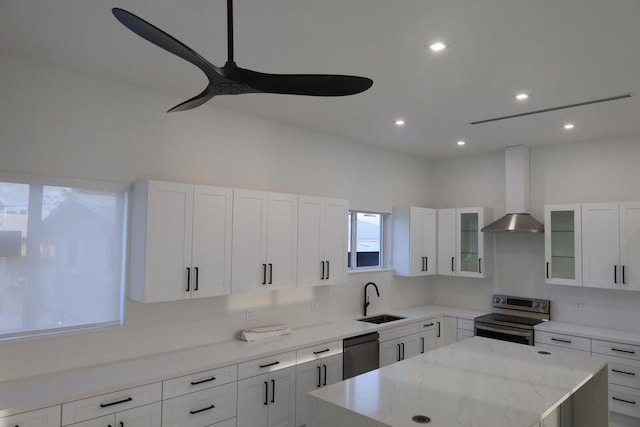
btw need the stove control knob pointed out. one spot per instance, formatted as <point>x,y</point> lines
<point>543,305</point>
<point>503,300</point>
<point>496,300</point>
<point>536,304</point>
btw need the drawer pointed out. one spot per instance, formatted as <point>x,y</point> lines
<point>110,403</point>
<point>106,421</point>
<point>47,417</point>
<point>226,423</point>
<point>561,340</point>
<point>551,348</point>
<point>266,364</point>
<point>622,371</point>
<point>430,324</point>
<point>400,331</point>
<point>200,381</point>
<point>465,324</point>
<point>614,349</point>
<point>624,400</point>
<point>464,334</point>
<point>201,408</point>
<point>319,351</point>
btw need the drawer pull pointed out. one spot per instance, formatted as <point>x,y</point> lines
<point>623,351</point>
<point>270,364</point>
<point>203,381</point>
<point>630,402</point>
<point>559,340</point>
<point>428,325</point>
<point>322,351</point>
<point>623,372</point>
<point>105,405</point>
<point>202,410</point>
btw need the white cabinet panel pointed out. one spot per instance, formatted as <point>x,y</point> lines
<point>282,240</point>
<point>463,334</point>
<point>201,408</point>
<point>200,381</point>
<point>600,245</point>
<point>414,241</point>
<point>266,364</point>
<point>615,349</point>
<point>267,400</point>
<point>47,417</point>
<point>311,223</point>
<point>282,403</point>
<point>630,246</point>
<point>249,256</point>
<point>563,244</point>
<point>399,349</point>
<point>562,340</point>
<point>144,416</point>
<point>447,242</point>
<point>335,241</point>
<point>624,400</point>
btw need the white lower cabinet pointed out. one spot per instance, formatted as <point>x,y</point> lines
<point>267,400</point>
<point>431,334</point>
<point>465,329</point>
<point>312,376</point>
<point>399,349</point>
<point>143,416</point>
<point>202,408</point>
<point>47,417</point>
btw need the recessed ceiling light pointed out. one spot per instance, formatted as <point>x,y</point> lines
<point>438,46</point>
<point>461,143</point>
<point>569,126</point>
<point>522,96</point>
<point>400,122</point>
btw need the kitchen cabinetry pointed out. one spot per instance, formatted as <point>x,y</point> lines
<point>465,329</point>
<point>563,244</point>
<point>399,343</point>
<point>143,416</point>
<point>267,400</point>
<point>563,342</point>
<point>611,245</point>
<point>322,241</point>
<point>462,247</point>
<point>47,417</point>
<point>414,241</point>
<point>431,334</point>
<point>265,240</point>
<point>181,241</point>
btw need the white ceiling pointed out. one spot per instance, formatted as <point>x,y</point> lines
<point>560,51</point>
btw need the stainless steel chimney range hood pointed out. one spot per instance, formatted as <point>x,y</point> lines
<point>517,183</point>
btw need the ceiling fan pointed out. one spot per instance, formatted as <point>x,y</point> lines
<point>233,80</point>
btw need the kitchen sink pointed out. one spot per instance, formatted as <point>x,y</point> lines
<point>383,318</point>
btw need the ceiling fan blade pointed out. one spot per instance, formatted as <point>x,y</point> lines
<point>161,39</point>
<point>194,102</point>
<point>309,84</point>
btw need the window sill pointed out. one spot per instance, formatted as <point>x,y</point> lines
<point>369,270</point>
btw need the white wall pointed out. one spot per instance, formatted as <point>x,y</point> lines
<point>57,123</point>
<point>593,171</point>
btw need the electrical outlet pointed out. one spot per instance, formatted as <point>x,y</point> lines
<point>579,305</point>
<point>249,314</point>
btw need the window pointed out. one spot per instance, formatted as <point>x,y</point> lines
<point>367,234</point>
<point>52,255</point>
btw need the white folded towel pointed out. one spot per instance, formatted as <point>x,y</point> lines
<point>263,332</point>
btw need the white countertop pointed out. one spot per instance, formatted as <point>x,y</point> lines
<point>475,382</point>
<point>593,332</point>
<point>40,391</point>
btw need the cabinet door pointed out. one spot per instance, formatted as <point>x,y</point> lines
<point>416,241</point>
<point>429,339</point>
<point>48,417</point>
<point>282,400</point>
<point>332,369</point>
<point>429,240</point>
<point>169,217</point>
<point>390,352</point>
<point>249,247</point>
<point>335,240</point>
<point>410,346</point>
<point>144,416</point>
<point>630,246</point>
<point>446,242</point>
<point>212,222</point>
<point>563,244</point>
<point>253,401</point>
<point>310,241</point>
<point>308,378</point>
<point>600,245</point>
<point>282,240</point>
<point>469,242</point>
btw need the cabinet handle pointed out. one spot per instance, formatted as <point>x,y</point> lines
<point>422,351</point>
<point>273,391</point>
<point>398,356</point>
<point>631,402</point>
<point>321,351</point>
<point>270,364</point>
<point>202,410</point>
<point>452,258</point>
<point>422,258</point>
<point>559,340</point>
<point>402,351</point>
<point>438,329</point>
<point>324,381</point>
<point>264,274</point>
<point>633,374</point>
<point>188,279</point>
<point>428,325</point>
<point>547,269</point>
<point>479,265</point>
<point>426,263</point>
<point>106,405</point>
<point>266,393</point>
<point>624,279</point>
<point>327,270</point>
<point>197,278</point>
<point>615,274</point>
<point>623,351</point>
<point>121,423</point>
<point>322,277</point>
<point>270,274</point>
<point>319,375</point>
<point>203,381</point>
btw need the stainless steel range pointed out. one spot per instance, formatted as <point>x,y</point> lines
<point>513,319</point>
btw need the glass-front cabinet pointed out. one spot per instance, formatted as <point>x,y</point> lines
<point>471,256</point>
<point>563,244</point>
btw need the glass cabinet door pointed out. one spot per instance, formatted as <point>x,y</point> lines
<point>563,245</point>
<point>469,250</point>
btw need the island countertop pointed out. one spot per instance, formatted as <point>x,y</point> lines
<point>477,382</point>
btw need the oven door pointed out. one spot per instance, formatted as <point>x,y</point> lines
<point>504,333</point>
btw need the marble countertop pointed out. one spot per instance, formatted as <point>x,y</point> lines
<point>593,332</point>
<point>40,391</point>
<point>475,382</point>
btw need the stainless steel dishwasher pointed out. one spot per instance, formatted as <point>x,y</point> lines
<point>361,354</point>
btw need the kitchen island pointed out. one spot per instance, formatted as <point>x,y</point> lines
<point>478,382</point>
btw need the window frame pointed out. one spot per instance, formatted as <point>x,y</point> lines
<point>106,186</point>
<point>385,241</point>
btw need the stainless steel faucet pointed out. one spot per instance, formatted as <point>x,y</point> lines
<point>366,298</point>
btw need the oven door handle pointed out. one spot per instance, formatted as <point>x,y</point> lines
<point>504,331</point>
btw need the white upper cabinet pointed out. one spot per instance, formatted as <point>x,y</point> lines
<point>630,245</point>
<point>414,241</point>
<point>463,250</point>
<point>601,245</point>
<point>563,244</point>
<point>181,241</point>
<point>322,241</point>
<point>265,227</point>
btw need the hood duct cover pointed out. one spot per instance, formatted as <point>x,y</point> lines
<point>517,219</point>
